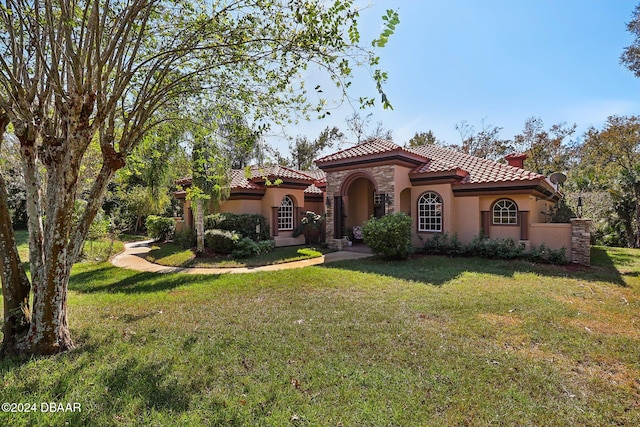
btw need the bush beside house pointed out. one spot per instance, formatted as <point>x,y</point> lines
<point>253,226</point>
<point>389,236</point>
<point>482,247</point>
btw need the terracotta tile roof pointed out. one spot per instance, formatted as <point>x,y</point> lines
<point>479,170</point>
<point>317,174</point>
<point>239,180</point>
<point>249,179</point>
<point>436,159</point>
<point>275,171</point>
<point>312,189</point>
<point>369,147</point>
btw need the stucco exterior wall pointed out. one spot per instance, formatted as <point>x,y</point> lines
<point>542,207</point>
<point>317,207</point>
<point>402,183</point>
<point>241,206</point>
<point>466,217</point>
<point>554,236</point>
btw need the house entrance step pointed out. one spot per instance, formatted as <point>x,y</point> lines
<point>289,241</point>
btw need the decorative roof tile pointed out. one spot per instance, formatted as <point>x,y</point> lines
<point>367,148</point>
<point>479,170</point>
<point>250,178</point>
<point>312,189</point>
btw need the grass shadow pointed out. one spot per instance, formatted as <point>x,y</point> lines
<point>127,282</point>
<point>152,382</point>
<point>438,270</point>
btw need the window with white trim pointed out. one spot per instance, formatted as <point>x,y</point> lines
<point>285,214</point>
<point>505,212</point>
<point>430,212</point>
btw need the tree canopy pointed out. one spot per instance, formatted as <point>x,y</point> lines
<point>73,74</point>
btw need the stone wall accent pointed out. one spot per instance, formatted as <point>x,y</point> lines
<point>337,244</point>
<point>581,241</point>
<point>383,179</point>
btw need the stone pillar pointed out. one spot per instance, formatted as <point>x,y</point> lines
<point>581,241</point>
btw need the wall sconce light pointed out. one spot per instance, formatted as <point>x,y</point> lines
<point>579,206</point>
<point>328,202</point>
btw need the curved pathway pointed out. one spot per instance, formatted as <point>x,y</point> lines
<point>132,259</point>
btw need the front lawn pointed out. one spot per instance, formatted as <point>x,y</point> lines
<point>94,250</point>
<point>430,341</point>
<point>173,255</point>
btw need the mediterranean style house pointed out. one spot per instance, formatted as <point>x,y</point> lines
<point>442,190</point>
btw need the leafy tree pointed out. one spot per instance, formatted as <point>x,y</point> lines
<point>630,57</point>
<point>423,138</point>
<point>486,144</point>
<point>240,143</point>
<point>358,125</point>
<point>303,151</point>
<point>547,150</point>
<point>83,72</point>
<point>613,154</point>
<point>210,176</point>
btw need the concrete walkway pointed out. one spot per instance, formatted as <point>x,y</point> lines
<point>132,259</point>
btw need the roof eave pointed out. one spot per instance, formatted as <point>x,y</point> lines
<point>536,187</point>
<point>447,176</point>
<point>371,160</point>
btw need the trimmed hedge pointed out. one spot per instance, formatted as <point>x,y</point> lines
<point>245,247</point>
<point>243,224</point>
<point>221,241</point>
<point>483,247</point>
<point>389,236</point>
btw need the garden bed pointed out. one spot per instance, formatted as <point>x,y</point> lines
<point>173,255</point>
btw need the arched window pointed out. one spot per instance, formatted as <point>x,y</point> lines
<point>430,212</point>
<point>285,214</point>
<point>505,211</point>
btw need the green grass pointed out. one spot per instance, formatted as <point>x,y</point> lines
<point>430,341</point>
<point>173,255</point>
<point>94,250</point>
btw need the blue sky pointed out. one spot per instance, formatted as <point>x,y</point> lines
<point>497,61</point>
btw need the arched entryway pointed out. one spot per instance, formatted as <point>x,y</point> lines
<point>357,202</point>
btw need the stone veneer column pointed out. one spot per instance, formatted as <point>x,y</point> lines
<point>581,241</point>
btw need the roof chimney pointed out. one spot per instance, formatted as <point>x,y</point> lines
<point>516,159</point>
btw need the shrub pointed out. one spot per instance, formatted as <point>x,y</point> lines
<point>245,248</point>
<point>484,247</point>
<point>185,238</point>
<point>547,255</point>
<point>389,236</point>
<point>244,224</point>
<point>160,228</point>
<point>221,241</point>
<point>441,244</point>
